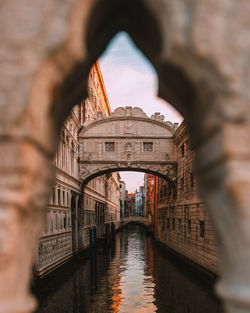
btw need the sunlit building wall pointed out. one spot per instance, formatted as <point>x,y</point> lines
<point>73,213</point>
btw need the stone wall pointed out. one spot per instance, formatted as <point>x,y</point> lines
<point>73,212</point>
<point>182,221</point>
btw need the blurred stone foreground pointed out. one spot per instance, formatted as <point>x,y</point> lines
<point>200,50</point>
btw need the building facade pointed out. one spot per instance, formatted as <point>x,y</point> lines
<point>76,215</point>
<point>123,199</point>
<point>182,221</point>
<point>149,185</point>
<point>139,201</point>
<point>131,204</point>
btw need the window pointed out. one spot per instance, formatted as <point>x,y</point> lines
<point>168,223</point>
<point>63,199</point>
<point>109,146</point>
<point>53,196</point>
<point>182,150</point>
<point>59,196</point>
<point>163,223</point>
<point>202,229</point>
<point>173,224</point>
<point>179,224</point>
<point>191,180</point>
<point>65,221</point>
<point>147,146</point>
<point>189,227</point>
<point>182,184</point>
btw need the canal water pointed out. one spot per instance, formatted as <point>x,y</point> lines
<point>134,275</point>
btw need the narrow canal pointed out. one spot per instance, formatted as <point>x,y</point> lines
<point>134,275</point>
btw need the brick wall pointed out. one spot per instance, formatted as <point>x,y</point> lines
<point>182,222</point>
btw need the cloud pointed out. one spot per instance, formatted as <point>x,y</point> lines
<point>127,86</point>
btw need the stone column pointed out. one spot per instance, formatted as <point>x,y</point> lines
<point>65,198</point>
<point>22,202</point>
<point>224,173</point>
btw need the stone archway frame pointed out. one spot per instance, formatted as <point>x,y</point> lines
<point>200,50</point>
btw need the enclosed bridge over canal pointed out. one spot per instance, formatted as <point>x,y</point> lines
<point>128,140</point>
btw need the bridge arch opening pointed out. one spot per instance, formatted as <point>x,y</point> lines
<point>171,178</point>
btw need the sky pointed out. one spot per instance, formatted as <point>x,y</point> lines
<point>131,80</point>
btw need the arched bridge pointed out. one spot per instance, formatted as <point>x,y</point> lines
<point>127,140</point>
<point>136,219</point>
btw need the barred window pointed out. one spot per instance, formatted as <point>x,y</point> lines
<point>147,146</point>
<point>109,146</point>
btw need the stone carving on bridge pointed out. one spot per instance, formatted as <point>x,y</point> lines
<point>128,138</point>
<point>128,147</point>
<point>128,112</point>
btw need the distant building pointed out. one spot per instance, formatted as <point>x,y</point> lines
<point>131,204</point>
<point>139,202</point>
<point>123,198</point>
<point>149,182</point>
<point>126,209</point>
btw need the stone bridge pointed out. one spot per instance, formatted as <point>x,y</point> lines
<point>136,219</point>
<point>128,140</point>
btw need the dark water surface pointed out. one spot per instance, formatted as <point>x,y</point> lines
<point>133,276</point>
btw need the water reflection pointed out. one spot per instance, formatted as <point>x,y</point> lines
<point>132,276</point>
